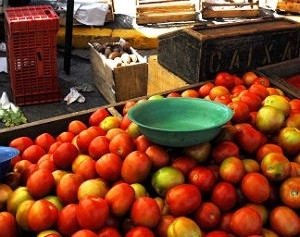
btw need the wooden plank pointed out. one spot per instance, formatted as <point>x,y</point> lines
<point>165,10</point>
<point>171,5</point>
<point>166,17</point>
<point>229,13</point>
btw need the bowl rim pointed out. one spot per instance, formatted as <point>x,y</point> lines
<point>7,153</point>
<point>229,114</point>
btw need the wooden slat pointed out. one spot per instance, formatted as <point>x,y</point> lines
<point>173,5</point>
<point>166,17</point>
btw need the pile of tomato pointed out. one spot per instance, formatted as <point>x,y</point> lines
<point>105,178</point>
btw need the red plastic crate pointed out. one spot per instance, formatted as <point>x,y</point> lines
<point>31,53</point>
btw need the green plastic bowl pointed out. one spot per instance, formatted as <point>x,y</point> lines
<point>180,122</point>
<point>6,154</point>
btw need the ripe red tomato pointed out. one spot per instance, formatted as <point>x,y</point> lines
<point>97,116</point>
<point>255,187</point>
<point>249,77</point>
<point>145,212</point>
<point>8,225</point>
<point>44,140</point>
<point>184,164</point>
<point>205,89</point>
<point>266,149</point>
<point>158,156</point>
<point>64,155</point>
<point>92,212</point>
<point>284,221</point>
<point>42,215</point>
<point>232,169</point>
<point>140,231</point>
<point>223,150</point>
<point>217,233</point>
<point>262,81</point>
<point>136,167</point>
<point>245,221</point>
<point>275,166</point>
<point>207,216</point>
<point>67,223</point>
<point>34,181</point>
<point>217,91</point>
<point>224,99</point>
<point>163,224</point>
<point>76,126</point>
<point>241,113</point>
<point>224,195</point>
<point>224,79</point>
<point>98,147</point>
<point>253,100</point>
<point>21,143</point>
<point>122,144</point>
<point>33,153</point>
<point>183,199</point>
<point>120,198</point>
<point>191,93</point>
<point>290,192</point>
<point>142,143</point>
<point>109,167</point>
<point>203,178</point>
<point>109,231</point>
<point>84,138</point>
<point>260,90</point>
<point>84,233</point>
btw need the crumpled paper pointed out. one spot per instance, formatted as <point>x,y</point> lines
<point>5,103</point>
<point>73,96</point>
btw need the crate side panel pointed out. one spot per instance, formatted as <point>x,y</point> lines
<point>131,81</point>
<point>180,52</point>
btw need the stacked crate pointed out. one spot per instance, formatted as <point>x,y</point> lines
<point>31,54</point>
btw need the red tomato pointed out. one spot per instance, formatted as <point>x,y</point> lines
<point>122,144</point>
<point>42,215</point>
<point>84,233</point>
<point>145,212</point>
<point>67,188</point>
<point>217,91</point>
<point>120,198</point>
<point>246,130</point>
<point>163,224</point>
<point>243,227</point>
<point>97,116</point>
<point>262,210</point>
<point>34,181</point>
<point>237,90</point>
<point>253,100</point>
<point>224,195</point>
<point>158,156</point>
<point>65,136</point>
<point>207,216</point>
<point>184,164</point>
<point>275,166</point>
<point>44,140</point>
<point>232,169</point>
<point>8,225</point>
<point>285,221</point>
<point>241,113</point>
<point>262,81</point>
<point>136,167</point>
<point>76,126</point>
<point>127,106</point>
<point>142,143</point>
<point>109,167</point>
<point>92,213</point>
<point>224,99</point>
<point>183,226</point>
<point>67,223</point>
<point>21,143</point>
<point>183,199</point>
<point>266,149</point>
<point>33,153</point>
<point>205,89</point>
<point>140,231</point>
<point>260,90</point>
<point>223,150</point>
<point>224,79</point>
<point>203,178</point>
<point>255,187</point>
<point>217,233</point>
<point>98,147</point>
<point>64,155</point>
<point>84,138</point>
<point>191,93</point>
<point>249,77</point>
<point>290,192</point>
<point>109,231</point>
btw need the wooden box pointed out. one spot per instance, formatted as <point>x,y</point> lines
<point>279,72</point>
<point>161,79</point>
<point>198,53</point>
<point>119,83</point>
<point>230,9</point>
<point>163,11</point>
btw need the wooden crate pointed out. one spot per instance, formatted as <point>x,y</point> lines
<point>246,9</point>
<point>279,72</point>
<point>200,52</point>
<point>119,83</point>
<point>161,79</point>
<point>163,11</point>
